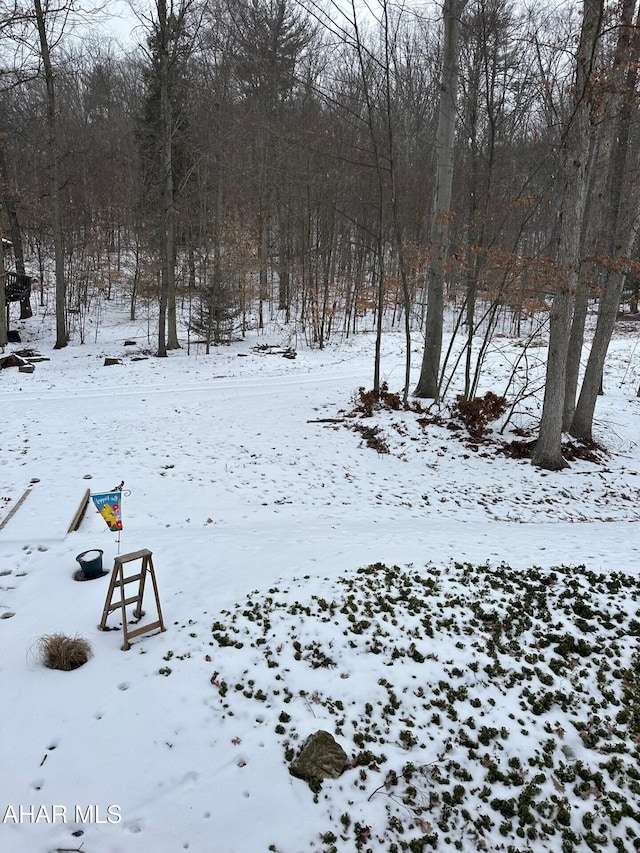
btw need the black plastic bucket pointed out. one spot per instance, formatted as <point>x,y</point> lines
<point>91,562</point>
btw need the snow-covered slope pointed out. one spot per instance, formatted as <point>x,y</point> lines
<point>257,508</point>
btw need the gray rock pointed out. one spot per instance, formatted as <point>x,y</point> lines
<point>320,758</point>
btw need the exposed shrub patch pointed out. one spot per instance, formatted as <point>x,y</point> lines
<point>586,450</point>
<point>368,402</point>
<point>373,437</point>
<point>478,413</point>
<point>481,707</point>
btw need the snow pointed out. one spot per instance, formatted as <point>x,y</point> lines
<point>261,514</point>
<point>88,556</point>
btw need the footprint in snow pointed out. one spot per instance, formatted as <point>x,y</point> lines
<point>190,778</point>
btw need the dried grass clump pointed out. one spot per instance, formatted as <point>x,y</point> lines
<point>61,652</point>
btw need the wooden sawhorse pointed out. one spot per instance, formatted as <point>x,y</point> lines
<point>118,580</point>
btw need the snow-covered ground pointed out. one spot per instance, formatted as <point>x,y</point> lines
<point>262,515</point>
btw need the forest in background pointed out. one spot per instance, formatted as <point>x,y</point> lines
<point>340,165</point>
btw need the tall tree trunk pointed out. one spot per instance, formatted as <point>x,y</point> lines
<point>581,305</point>
<point>15,232</point>
<point>54,179</point>
<point>167,331</point>
<point>625,73</point>
<point>165,202</point>
<point>429,381</point>
<point>574,351</point>
<point>377,361</point>
<point>263,262</point>
<point>284,276</point>
<point>575,149</point>
<point>4,337</point>
<point>135,284</point>
<point>395,208</point>
<point>379,249</point>
<point>170,249</point>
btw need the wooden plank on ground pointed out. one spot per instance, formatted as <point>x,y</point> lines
<point>76,521</point>
<point>14,509</point>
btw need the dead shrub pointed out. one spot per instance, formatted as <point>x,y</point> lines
<point>583,449</point>
<point>478,413</point>
<point>367,402</point>
<point>61,652</point>
<point>518,449</point>
<point>579,449</point>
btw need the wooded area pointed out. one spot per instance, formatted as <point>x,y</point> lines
<point>344,167</point>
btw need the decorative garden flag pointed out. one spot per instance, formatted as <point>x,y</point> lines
<point>108,505</point>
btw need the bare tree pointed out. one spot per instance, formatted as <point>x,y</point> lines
<point>170,43</point>
<point>617,242</point>
<point>3,306</point>
<point>429,381</point>
<point>54,175</point>
<point>575,150</point>
<point>9,198</point>
<point>271,40</point>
